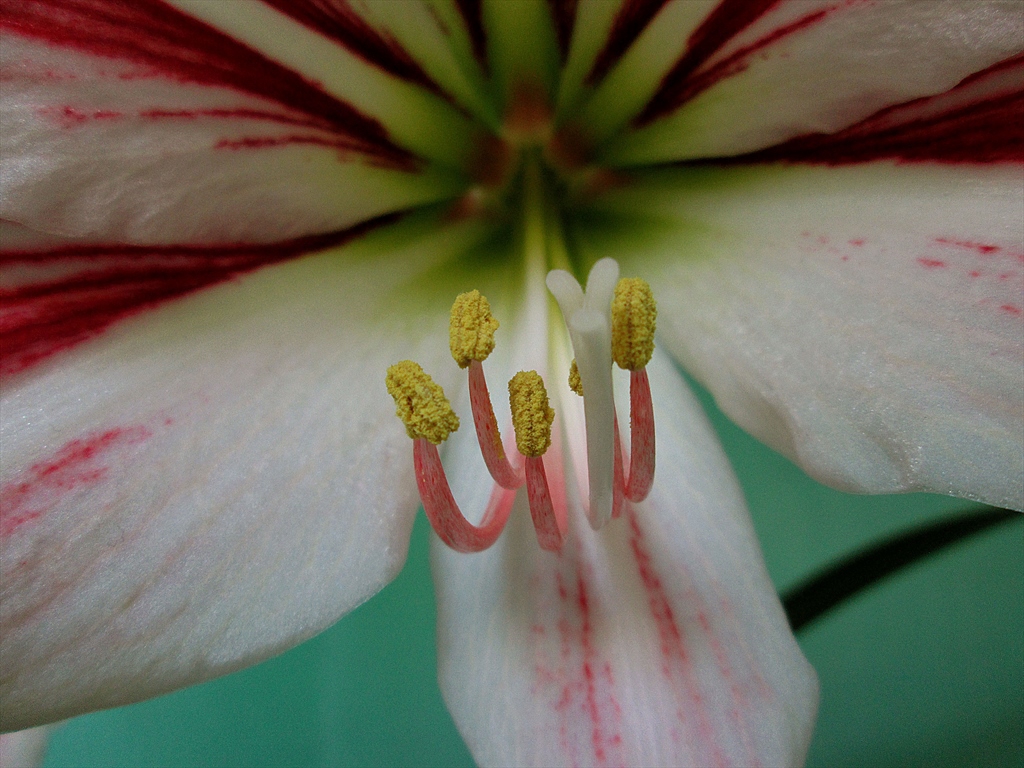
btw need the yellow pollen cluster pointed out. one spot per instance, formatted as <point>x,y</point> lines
<point>471,330</point>
<point>575,382</point>
<point>633,316</point>
<point>420,403</point>
<point>531,413</point>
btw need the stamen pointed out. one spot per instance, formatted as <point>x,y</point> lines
<point>471,328</point>
<point>633,316</point>
<point>471,339</point>
<point>532,417</point>
<point>422,406</point>
<point>420,403</point>
<point>633,322</point>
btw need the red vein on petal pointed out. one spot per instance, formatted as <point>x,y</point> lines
<point>728,19</point>
<point>587,695</point>
<point>687,86</point>
<point>472,17</point>
<point>337,20</point>
<point>78,464</point>
<point>155,35</point>
<point>109,283</point>
<point>977,121</point>
<point>674,650</point>
<point>563,13</point>
<point>631,20</point>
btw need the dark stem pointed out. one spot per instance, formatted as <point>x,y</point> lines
<point>830,587</point>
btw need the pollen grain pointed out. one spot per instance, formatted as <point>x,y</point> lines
<point>633,320</point>
<point>575,382</point>
<point>532,415</point>
<point>471,329</point>
<point>420,403</point>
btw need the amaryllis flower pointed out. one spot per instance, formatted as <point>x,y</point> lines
<point>224,221</point>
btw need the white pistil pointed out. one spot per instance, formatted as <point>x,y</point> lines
<point>588,318</point>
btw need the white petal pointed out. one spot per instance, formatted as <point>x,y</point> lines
<point>114,148</point>
<point>203,485</point>
<point>657,641</point>
<point>864,320</point>
<point>23,749</point>
<point>821,66</point>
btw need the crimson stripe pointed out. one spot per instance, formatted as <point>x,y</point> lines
<point>155,35</point>
<point>472,17</point>
<point>729,18</point>
<point>563,12</point>
<point>985,129</point>
<point>632,19</point>
<point>337,20</point>
<point>39,319</point>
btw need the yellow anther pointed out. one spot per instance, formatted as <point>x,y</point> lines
<point>633,316</point>
<point>575,382</point>
<point>471,330</point>
<point>420,403</point>
<point>531,413</point>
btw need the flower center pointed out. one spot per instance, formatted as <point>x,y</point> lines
<point>527,174</point>
<point>609,309</point>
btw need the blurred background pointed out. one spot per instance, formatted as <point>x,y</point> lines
<point>923,669</point>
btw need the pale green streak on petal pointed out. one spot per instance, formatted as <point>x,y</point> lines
<point>676,136</point>
<point>628,87</point>
<point>415,118</point>
<point>590,31</point>
<point>431,42</point>
<point>522,45</point>
<point>635,219</point>
<point>461,49</point>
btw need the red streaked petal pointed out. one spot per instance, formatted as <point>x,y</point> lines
<point>814,67</point>
<point>657,640</point>
<point>56,298</point>
<point>472,18</point>
<point>152,35</point>
<point>978,121</point>
<point>630,21</point>
<point>216,480</point>
<point>865,320</point>
<point>338,20</point>
<point>563,12</point>
<point>114,151</point>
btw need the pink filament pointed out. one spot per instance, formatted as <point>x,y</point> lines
<point>444,514</point>
<point>641,437</point>
<point>487,430</point>
<point>548,520</point>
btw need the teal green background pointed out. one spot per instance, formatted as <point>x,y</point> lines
<point>925,669</point>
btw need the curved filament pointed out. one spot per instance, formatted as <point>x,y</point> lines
<point>487,433</point>
<point>641,437</point>
<point>444,513</point>
<point>548,520</point>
